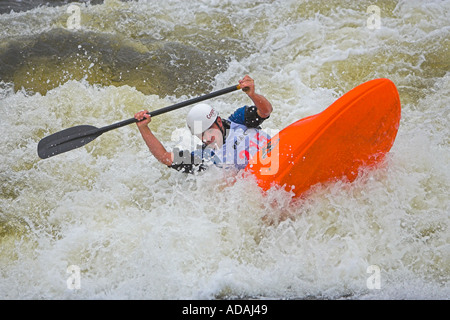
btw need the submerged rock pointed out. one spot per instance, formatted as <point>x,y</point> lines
<point>46,61</point>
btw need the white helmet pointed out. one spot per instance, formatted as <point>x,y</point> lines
<point>200,118</point>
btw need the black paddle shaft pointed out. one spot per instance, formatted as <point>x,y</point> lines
<point>78,136</point>
<point>171,108</point>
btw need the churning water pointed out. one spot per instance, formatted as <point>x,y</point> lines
<point>107,221</point>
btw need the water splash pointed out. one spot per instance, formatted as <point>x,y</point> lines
<point>139,230</point>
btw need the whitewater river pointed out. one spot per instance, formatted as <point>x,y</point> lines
<point>108,221</point>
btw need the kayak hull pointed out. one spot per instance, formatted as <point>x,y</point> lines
<point>356,131</point>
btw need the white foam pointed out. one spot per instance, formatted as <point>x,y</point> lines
<point>139,230</point>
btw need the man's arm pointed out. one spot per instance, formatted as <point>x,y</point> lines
<point>264,107</point>
<point>153,144</point>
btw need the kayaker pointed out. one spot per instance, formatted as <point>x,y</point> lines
<point>226,142</point>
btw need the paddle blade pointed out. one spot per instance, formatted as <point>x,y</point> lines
<point>67,140</point>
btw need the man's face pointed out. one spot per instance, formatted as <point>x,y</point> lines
<point>213,137</point>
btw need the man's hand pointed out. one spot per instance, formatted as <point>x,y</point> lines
<point>153,144</point>
<point>140,116</point>
<point>248,85</point>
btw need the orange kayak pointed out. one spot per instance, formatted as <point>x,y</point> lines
<point>357,130</point>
